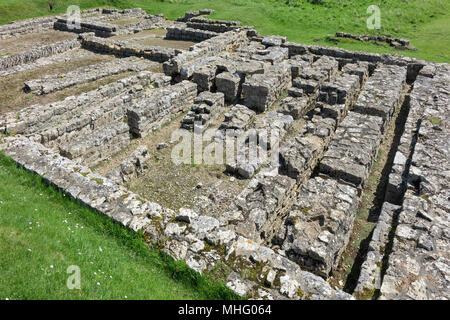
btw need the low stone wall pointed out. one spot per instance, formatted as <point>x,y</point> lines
<point>189,34</point>
<point>213,27</point>
<point>184,63</point>
<point>395,42</point>
<point>40,118</point>
<point>398,177</point>
<point>100,29</point>
<point>260,91</point>
<point>126,49</point>
<point>354,148</point>
<point>370,275</point>
<point>348,56</point>
<point>200,240</point>
<point>382,93</point>
<point>418,262</point>
<point>81,75</point>
<point>26,26</point>
<point>37,52</point>
<point>343,89</point>
<point>192,14</point>
<point>161,106</point>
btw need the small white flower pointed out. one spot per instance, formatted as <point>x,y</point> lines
<point>98,283</point>
<point>29,250</point>
<point>95,273</point>
<point>110,277</point>
<point>100,248</point>
<point>126,297</point>
<point>6,298</point>
<point>51,266</point>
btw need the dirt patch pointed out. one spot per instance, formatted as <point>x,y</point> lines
<point>27,41</point>
<point>155,37</point>
<point>13,98</point>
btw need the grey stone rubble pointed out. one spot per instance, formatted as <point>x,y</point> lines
<point>265,135</point>
<point>206,107</point>
<point>37,52</point>
<point>225,73</point>
<point>131,167</point>
<point>424,87</point>
<point>170,231</point>
<point>360,69</point>
<point>214,21</point>
<point>353,149</point>
<point>254,211</point>
<point>56,82</point>
<point>298,158</point>
<point>189,34</point>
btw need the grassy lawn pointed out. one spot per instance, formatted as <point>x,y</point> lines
<point>42,233</point>
<point>425,23</point>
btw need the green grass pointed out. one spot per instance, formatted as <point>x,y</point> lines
<point>42,233</point>
<point>425,23</point>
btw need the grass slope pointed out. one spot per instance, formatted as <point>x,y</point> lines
<point>425,23</point>
<point>42,233</point>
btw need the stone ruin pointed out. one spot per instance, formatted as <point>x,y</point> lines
<point>283,234</point>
